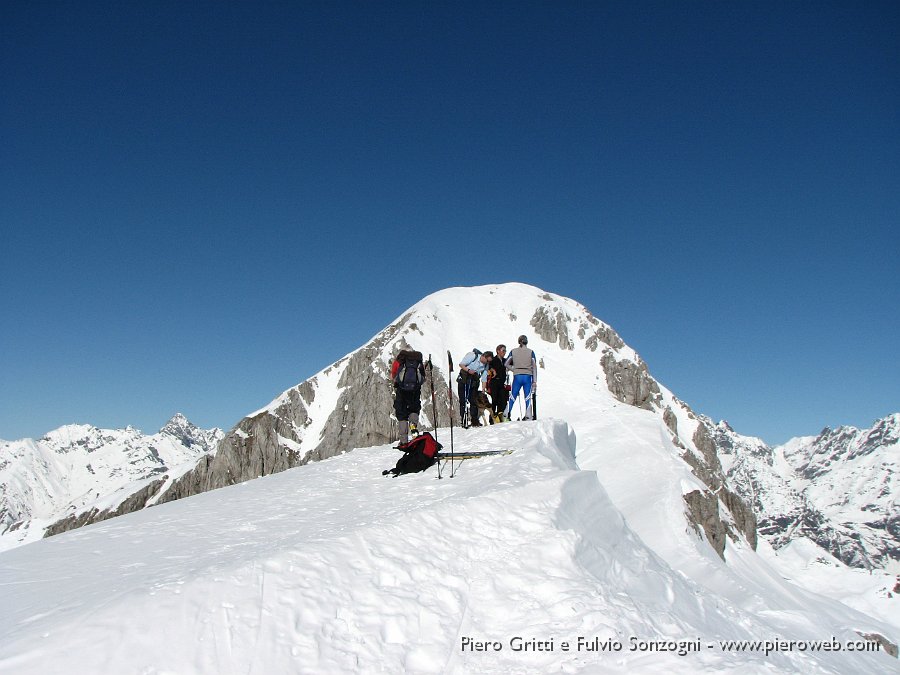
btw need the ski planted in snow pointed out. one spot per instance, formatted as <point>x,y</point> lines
<point>450,399</point>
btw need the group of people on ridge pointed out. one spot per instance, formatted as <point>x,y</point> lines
<point>488,371</point>
<point>478,372</point>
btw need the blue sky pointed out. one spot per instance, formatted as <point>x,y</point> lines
<point>204,203</point>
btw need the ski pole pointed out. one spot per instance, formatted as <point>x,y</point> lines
<point>434,409</point>
<point>450,398</point>
<point>465,405</point>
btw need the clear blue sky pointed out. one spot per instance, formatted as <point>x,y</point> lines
<point>204,203</point>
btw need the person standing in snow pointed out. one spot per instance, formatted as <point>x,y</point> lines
<point>408,375</point>
<point>523,364</point>
<point>497,385</point>
<point>472,373</point>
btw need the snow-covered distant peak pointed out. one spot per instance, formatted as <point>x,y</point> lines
<point>793,446</point>
<point>86,437</point>
<point>189,434</point>
<point>178,421</point>
<point>846,444</point>
<point>838,489</point>
<point>77,465</point>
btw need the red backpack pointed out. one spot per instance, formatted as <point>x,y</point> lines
<point>419,454</point>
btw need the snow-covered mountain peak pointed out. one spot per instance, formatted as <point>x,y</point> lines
<point>500,312</point>
<point>585,368</point>
<point>838,489</point>
<point>86,438</point>
<point>75,466</point>
<point>189,434</point>
<point>832,448</point>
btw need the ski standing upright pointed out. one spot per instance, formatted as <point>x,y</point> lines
<point>434,408</point>
<point>450,398</point>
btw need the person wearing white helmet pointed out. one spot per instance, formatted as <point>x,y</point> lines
<point>523,364</point>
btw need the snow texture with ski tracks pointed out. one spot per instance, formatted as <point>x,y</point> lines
<point>331,567</point>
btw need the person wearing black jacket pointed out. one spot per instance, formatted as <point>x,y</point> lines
<point>497,385</point>
<point>408,375</point>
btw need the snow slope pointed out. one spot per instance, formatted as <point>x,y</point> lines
<point>331,568</point>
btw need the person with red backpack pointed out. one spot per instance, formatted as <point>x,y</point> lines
<point>408,375</point>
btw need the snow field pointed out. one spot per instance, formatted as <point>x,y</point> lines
<point>333,568</point>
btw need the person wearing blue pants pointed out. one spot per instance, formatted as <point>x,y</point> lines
<point>523,365</point>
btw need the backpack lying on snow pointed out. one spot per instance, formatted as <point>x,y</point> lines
<point>419,454</point>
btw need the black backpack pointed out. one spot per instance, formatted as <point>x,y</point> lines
<point>419,454</point>
<point>409,376</point>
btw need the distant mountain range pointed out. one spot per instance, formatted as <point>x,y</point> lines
<point>838,489</point>
<point>83,469</point>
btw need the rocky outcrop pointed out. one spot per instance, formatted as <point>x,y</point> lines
<point>556,326</point>
<point>630,382</point>
<point>706,466</point>
<point>552,325</point>
<point>890,648</point>
<point>275,440</point>
<point>671,421</point>
<point>738,519</point>
<point>742,514</point>
<point>703,513</point>
<point>134,502</point>
<point>362,416</point>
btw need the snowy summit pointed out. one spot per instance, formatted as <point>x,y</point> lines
<point>609,539</point>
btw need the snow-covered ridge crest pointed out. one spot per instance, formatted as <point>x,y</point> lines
<point>331,568</point>
<point>349,403</point>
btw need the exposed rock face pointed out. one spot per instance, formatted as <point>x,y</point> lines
<point>709,469</point>
<point>890,648</point>
<point>742,514</point>
<point>738,518</point>
<point>630,382</point>
<point>703,513</point>
<point>671,421</point>
<point>135,502</point>
<point>552,326</point>
<point>273,440</point>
